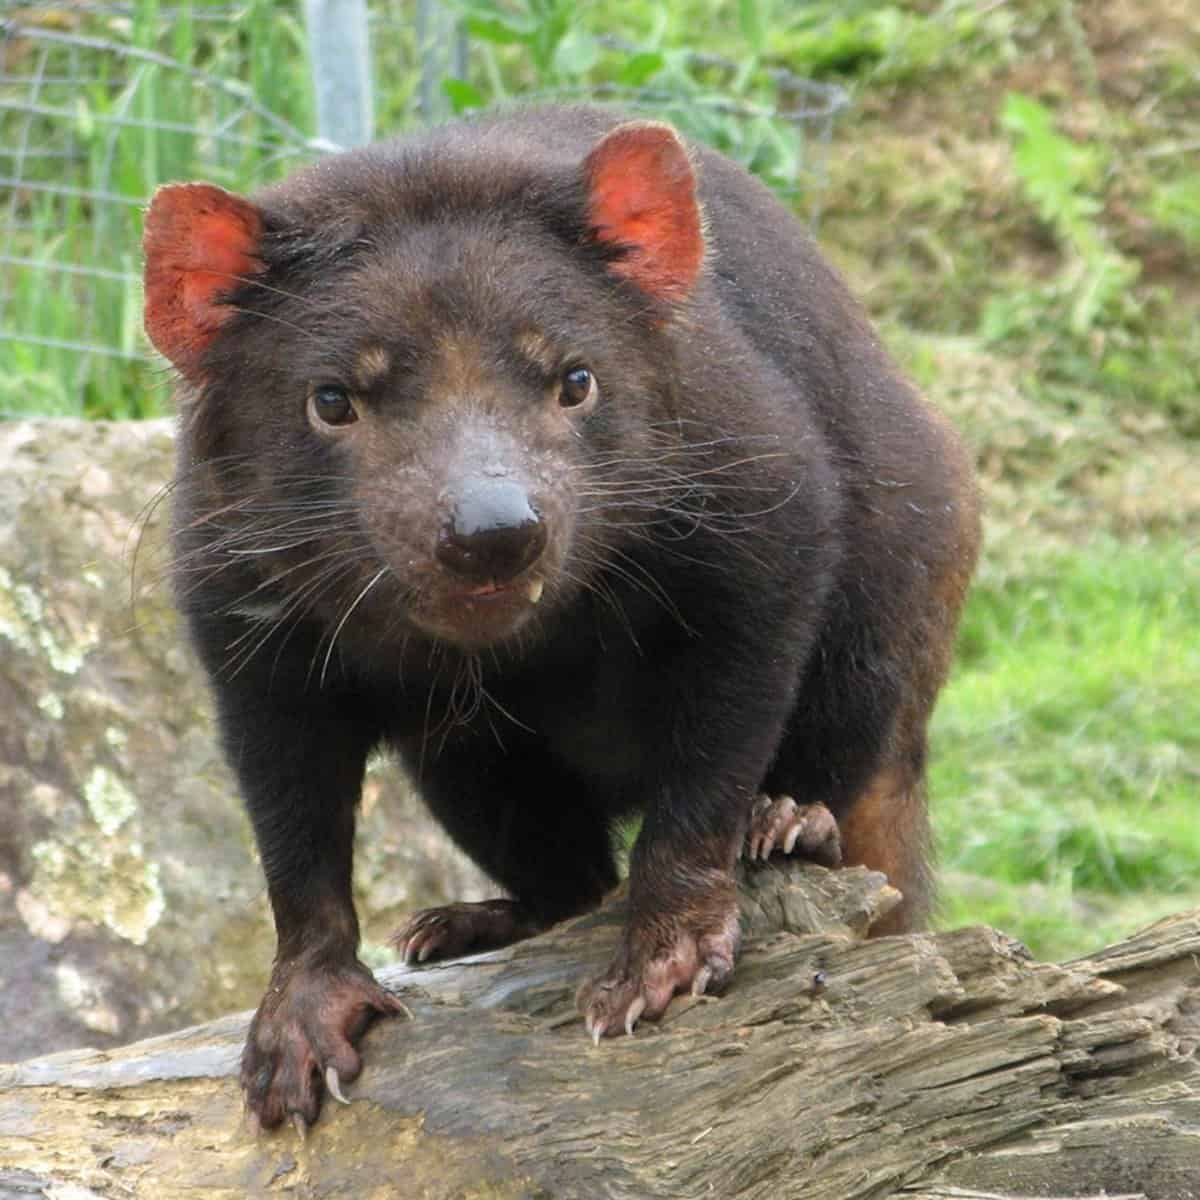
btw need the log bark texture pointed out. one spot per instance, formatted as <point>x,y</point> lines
<point>948,1066</point>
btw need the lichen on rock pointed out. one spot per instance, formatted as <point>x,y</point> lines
<point>109,801</point>
<point>99,880</point>
<point>24,621</point>
<point>130,903</point>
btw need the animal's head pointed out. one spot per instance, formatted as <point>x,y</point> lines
<point>421,382</point>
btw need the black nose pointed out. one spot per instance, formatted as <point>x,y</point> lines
<point>493,534</point>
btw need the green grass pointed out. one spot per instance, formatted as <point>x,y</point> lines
<point>1066,749</point>
<point>115,120</point>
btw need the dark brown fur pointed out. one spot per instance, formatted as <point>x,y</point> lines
<point>754,541</point>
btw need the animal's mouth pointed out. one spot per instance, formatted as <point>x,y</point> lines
<point>530,588</point>
<point>478,616</point>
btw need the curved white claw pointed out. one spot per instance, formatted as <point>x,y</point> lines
<point>635,1010</point>
<point>789,843</point>
<point>701,982</point>
<point>333,1085</point>
<point>300,1125</point>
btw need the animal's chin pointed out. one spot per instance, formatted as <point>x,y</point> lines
<point>475,617</point>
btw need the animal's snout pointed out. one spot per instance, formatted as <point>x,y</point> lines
<point>493,533</point>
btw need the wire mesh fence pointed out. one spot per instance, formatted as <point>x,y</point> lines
<point>93,116</point>
<point>100,103</point>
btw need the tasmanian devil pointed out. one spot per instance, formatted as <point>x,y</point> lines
<point>546,450</point>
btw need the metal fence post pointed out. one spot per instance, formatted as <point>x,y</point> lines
<point>442,45</point>
<point>339,49</point>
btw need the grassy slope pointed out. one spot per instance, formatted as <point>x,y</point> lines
<point>1066,752</point>
<point>1066,747</point>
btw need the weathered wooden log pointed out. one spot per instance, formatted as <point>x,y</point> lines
<point>948,1066</point>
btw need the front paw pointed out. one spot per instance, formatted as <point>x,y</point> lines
<point>303,1036</point>
<point>689,951</point>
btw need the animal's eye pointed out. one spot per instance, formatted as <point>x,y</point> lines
<point>578,386</point>
<point>331,405</point>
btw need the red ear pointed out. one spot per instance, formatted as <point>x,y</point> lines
<point>641,196</point>
<point>199,242</point>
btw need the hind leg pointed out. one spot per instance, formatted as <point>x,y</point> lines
<point>452,930</point>
<point>881,824</point>
<point>886,827</point>
<point>809,831</point>
<point>855,740</point>
<point>854,747</point>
